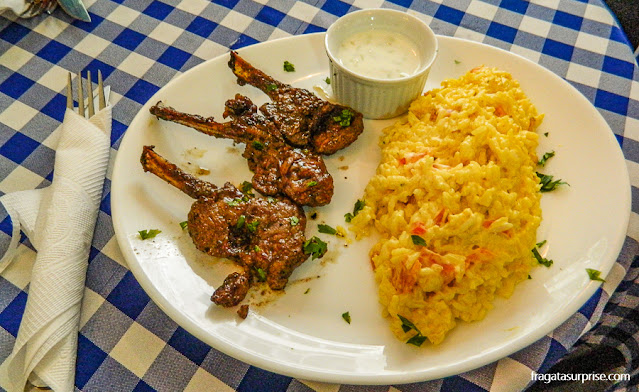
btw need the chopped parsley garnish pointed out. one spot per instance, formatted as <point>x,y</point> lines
<point>457,62</point>
<point>545,158</point>
<point>540,244</point>
<point>257,248</point>
<point>546,134</point>
<point>407,325</point>
<point>252,226</point>
<point>347,317</point>
<point>247,188</point>
<point>326,229</point>
<point>417,240</point>
<point>547,184</point>
<point>541,260</point>
<point>359,204</point>
<point>146,234</point>
<point>311,183</point>
<point>594,274</point>
<point>417,339</point>
<point>288,67</point>
<point>261,274</point>
<point>184,224</point>
<point>315,247</point>
<point>294,220</point>
<point>240,222</point>
<point>328,80</point>
<point>345,118</point>
<point>270,199</point>
<point>258,145</point>
<point>271,87</point>
<point>233,202</point>
<point>307,290</point>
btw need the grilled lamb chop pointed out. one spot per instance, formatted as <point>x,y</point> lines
<point>278,167</point>
<point>303,119</point>
<point>265,237</point>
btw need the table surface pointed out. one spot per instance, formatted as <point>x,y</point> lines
<point>140,45</point>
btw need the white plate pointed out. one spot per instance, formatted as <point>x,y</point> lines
<point>301,333</point>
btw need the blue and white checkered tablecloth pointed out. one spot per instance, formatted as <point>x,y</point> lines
<point>126,342</point>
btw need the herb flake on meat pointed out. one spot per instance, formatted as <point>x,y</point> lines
<point>184,224</point>
<point>252,226</point>
<point>345,118</point>
<point>240,222</point>
<point>261,274</point>
<point>247,188</point>
<point>233,202</point>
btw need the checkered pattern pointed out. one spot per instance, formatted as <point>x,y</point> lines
<point>126,342</point>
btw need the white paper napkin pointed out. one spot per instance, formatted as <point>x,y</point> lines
<point>17,6</point>
<point>59,221</point>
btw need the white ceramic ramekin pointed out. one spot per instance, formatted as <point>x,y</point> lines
<point>379,98</point>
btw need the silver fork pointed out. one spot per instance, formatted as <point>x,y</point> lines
<point>90,104</point>
<point>36,7</point>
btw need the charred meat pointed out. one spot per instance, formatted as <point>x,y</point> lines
<point>265,237</point>
<point>303,119</point>
<point>278,167</point>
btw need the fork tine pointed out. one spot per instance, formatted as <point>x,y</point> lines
<point>90,94</point>
<point>69,93</point>
<point>36,7</point>
<point>80,96</point>
<point>101,97</point>
<point>29,12</point>
<point>50,7</point>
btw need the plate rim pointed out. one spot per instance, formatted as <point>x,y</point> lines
<point>388,377</point>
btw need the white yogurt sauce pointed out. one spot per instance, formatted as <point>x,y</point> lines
<point>379,54</point>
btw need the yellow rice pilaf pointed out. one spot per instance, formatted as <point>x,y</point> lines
<point>456,201</point>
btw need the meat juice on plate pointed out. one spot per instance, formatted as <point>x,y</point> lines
<point>379,54</point>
